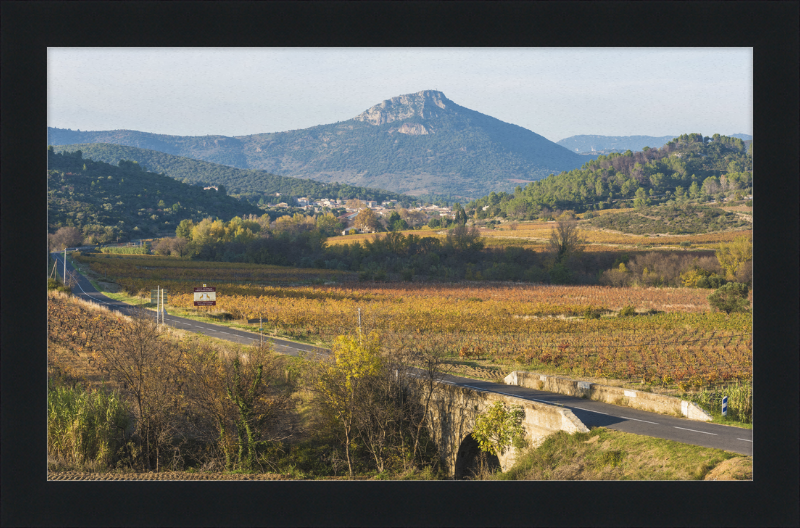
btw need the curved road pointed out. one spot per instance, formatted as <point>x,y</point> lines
<point>590,412</point>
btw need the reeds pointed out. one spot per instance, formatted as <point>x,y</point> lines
<point>85,429</point>
<point>740,401</point>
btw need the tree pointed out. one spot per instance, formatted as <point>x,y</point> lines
<point>149,368</point>
<point>460,214</point>
<point>164,246</point>
<point>184,229</point>
<point>733,255</point>
<point>463,238</point>
<point>341,384</point>
<point>565,240</point>
<point>328,224</point>
<point>499,427</point>
<point>179,246</point>
<point>366,220</point>
<point>240,391</point>
<point>354,203</point>
<point>731,297</point>
<point>640,201</point>
<point>65,237</point>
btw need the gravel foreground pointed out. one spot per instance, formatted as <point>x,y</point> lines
<point>168,475</point>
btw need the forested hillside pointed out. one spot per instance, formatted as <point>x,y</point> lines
<point>106,202</point>
<point>689,166</point>
<point>416,144</point>
<point>253,183</point>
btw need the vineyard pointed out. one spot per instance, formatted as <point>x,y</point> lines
<point>674,340</point>
<point>534,236</point>
<point>532,233</point>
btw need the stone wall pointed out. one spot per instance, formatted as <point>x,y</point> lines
<point>646,401</point>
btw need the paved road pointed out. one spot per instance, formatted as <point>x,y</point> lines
<point>590,412</point>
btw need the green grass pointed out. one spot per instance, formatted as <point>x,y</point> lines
<point>85,429</point>
<point>603,454</point>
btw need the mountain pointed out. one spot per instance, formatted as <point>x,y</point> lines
<point>240,181</point>
<point>126,201</point>
<point>421,143</point>
<point>607,144</point>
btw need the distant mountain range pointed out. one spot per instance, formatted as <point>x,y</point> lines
<point>421,143</point>
<point>587,144</point>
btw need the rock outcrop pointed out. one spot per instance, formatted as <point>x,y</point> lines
<point>425,104</point>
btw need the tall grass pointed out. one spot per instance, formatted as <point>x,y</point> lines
<point>740,401</point>
<point>85,429</point>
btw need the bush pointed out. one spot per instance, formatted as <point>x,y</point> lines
<point>730,298</point>
<point>627,311</point>
<point>560,274</point>
<point>57,285</point>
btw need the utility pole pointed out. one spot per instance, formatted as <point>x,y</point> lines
<point>65,266</point>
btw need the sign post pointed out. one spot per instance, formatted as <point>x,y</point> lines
<point>724,406</point>
<point>159,297</point>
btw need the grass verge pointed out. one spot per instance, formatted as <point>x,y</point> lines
<point>603,454</point>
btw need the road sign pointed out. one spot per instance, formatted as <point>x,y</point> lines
<point>724,406</point>
<point>205,296</point>
<point>154,296</point>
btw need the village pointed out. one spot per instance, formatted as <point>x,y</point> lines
<point>414,217</point>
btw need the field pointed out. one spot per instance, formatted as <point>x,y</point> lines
<point>534,235</point>
<point>674,340</point>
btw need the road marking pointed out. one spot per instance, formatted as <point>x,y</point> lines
<point>639,420</point>
<point>693,430</point>
<point>744,440</point>
<point>587,410</point>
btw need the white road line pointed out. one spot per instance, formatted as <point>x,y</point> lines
<point>693,430</point>
<point>598,412</point>
<point>744,440</point>
<point>645,421</point>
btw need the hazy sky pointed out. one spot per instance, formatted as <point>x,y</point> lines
<point>555,92</point>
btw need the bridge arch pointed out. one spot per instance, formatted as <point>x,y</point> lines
<point>470,459</point>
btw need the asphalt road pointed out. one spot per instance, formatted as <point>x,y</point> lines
<point>590,412</point>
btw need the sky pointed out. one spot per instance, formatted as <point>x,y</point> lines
<point>555,92</point>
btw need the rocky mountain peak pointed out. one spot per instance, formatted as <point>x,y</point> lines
<point>425,104</point>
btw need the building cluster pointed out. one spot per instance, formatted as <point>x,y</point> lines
<point>382,210</point>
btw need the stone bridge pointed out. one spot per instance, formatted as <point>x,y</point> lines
<point>452,415</point>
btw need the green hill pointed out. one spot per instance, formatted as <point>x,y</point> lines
<point>252,183</point>
<point>125,200</point>
<point>420,143</point>
<point>691,166</point>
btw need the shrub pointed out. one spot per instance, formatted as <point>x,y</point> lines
<point>730,298</point>
<point>627,311</point>
<point>57,285</point>
<point>499,427</point>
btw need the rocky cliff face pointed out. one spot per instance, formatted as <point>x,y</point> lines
<point>425,104</point>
